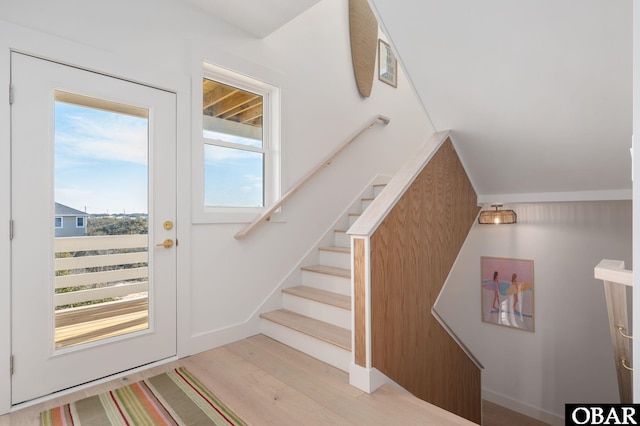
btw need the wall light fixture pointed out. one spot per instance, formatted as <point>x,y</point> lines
<point>497,217</point>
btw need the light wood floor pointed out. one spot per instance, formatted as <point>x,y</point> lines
<point>267,383</point>
<point>495,415</point>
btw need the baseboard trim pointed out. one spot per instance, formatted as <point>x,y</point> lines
<point>522,408</point>
<point>201,342</point>
<point>366,379</point>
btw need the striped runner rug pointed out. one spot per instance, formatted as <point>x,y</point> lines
<point>173,398</point>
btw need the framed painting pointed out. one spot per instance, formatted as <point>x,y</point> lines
<point>387,64</point>
<point>507,293</point>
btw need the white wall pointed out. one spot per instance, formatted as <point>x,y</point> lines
<point>568,359</point>
<point>320,108</point>
<point>223,282</point>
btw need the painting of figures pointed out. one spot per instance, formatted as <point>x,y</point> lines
<point>507,292</point>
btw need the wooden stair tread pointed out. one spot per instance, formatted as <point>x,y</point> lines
<point>328,270</point>
<point>327,297</point>
<point>336,249</point>
<point>329,333</point>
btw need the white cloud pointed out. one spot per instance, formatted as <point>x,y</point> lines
<point>100,137</point>
<point>253,180</point>
<point>100,160</point>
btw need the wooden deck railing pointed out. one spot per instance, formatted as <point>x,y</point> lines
<point>127,272</point>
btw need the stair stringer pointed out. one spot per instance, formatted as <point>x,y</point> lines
<point>274,299</point>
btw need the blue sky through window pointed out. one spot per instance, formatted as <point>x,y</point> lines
<point>233,177</point>
<point>100,160</point>
<point>101,164</point>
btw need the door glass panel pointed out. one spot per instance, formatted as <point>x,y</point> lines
<point>100,219</point>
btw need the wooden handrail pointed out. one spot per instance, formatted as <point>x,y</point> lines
<point>266,215</point>
<point>613,271</point>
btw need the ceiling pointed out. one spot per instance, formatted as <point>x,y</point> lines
<point>257,17</point>
<point>231,104</point>
<point>537,93</point>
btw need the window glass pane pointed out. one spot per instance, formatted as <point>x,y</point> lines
<point>233,177</point>
<point>231,114</point>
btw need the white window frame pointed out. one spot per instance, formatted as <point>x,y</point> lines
<point>84,221</point>
<point>55,220</point>
<point>271,147</point>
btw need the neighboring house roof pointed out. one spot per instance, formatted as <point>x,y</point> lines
<point>62,210</point>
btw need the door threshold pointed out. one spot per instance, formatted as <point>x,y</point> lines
<point>67,391</point>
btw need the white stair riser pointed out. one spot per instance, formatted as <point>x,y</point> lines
<point>364,204</point>
<point>335,259</point>
<point>326,352</point>
<point>377,190</point>
<point>344,223</point>
<point>327,282</point>
<point>341,239</point>
<point>352,219</point>
<point>317,310</point>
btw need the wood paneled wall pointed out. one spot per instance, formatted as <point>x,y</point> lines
<point>412,252</point>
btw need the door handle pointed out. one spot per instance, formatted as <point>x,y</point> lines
<point>166,243</point>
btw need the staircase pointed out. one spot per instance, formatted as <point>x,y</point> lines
<point>316,315</point>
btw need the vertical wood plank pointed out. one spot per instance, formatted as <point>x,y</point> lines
<point>616,298</point>
<point>360,307</point>
<point>412,252</point>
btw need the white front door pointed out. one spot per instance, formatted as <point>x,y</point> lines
<point>93,204</point>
